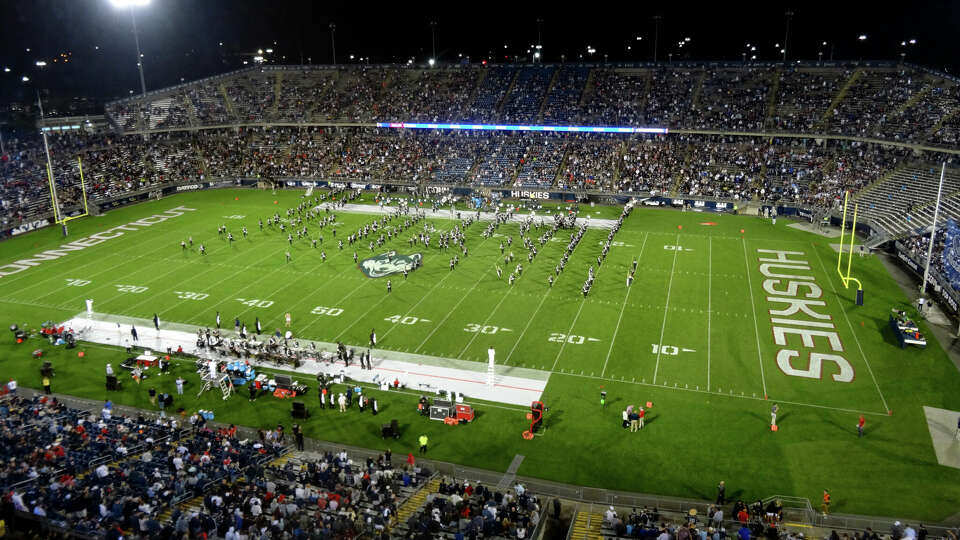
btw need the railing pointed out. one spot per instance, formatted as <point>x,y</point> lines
<point>795,509</point>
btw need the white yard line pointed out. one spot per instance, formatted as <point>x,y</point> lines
<point>531,319</point>
<point>666,308</point>
<point>855,338</point>
<point>709,299</point>
<point>622,308</point>
<point>753,309</point>
<point>97,260</point>
<point>377,303</point>
<point>109,271</point>
<point>529,322</point>
<point>485,321</point>
<point>118,294</point>
<point>427,295</point>
<point>564,344</point>
<point>449,312</point>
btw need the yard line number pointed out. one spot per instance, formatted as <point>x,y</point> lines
<point>405,320</point>
<point>255,302</point>
<point>571,339</point>
<point>190,295</point>
<point>78,282</point>
<point>131,288</point>
<point>669,350</point>
<point>484,329</point>
<point>328,311</point>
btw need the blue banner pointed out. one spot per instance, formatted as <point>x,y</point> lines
<point>951,254</point>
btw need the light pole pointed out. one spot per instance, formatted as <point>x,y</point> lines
<point>333,42</point>
<point>539,32</point>
<point>786,35</point>
<point>433,38</point>
<point>131,4</point>
<point>656,36</point>
<point>862,38</point>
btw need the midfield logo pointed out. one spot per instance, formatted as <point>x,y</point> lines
<point>388,263</point>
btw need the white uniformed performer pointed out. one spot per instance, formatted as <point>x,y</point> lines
<point>218,319</point>
<point>287,318</point>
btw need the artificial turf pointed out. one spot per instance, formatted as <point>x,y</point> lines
<point>692,335</point>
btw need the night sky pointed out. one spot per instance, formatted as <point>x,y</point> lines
<point>182,38</point>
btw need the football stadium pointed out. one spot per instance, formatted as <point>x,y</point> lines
<point>509,298</point>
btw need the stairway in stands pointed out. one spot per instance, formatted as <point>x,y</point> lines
<point>587,525</point>
<point>416,501</point>
<point>196,504</point>
<point>827,114</point>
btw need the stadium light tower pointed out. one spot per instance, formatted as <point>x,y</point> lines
<point>786,35</point>
<point>433,39</point>
<point>539,35</point>
<point>333,42</point>
<point>656,35</point>
<point>132,5</point>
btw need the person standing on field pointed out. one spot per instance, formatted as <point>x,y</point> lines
<point>860,424</point>
<point>773,414</point>
<point>423,444</point>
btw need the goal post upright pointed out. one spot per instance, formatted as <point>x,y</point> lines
<point>846,279</point>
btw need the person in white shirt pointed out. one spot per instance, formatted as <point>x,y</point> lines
<point>610,515</point>
<point>102,471</point>
<point>12,386</point>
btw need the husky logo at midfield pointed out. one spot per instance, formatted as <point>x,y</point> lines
<point>389,263</point>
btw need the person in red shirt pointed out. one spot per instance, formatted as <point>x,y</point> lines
<point>642,413</point>
<point>860,424</point>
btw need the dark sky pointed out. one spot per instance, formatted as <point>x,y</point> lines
<point>181,38</point>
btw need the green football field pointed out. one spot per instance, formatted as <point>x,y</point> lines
<point>697,334</point>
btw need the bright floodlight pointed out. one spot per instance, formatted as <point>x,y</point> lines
<point>862,37</point>
<point>41,63</point>
<point>123,4</point>
<point>913,42</point>
<point>25,79</point>
<point>431,62</point>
